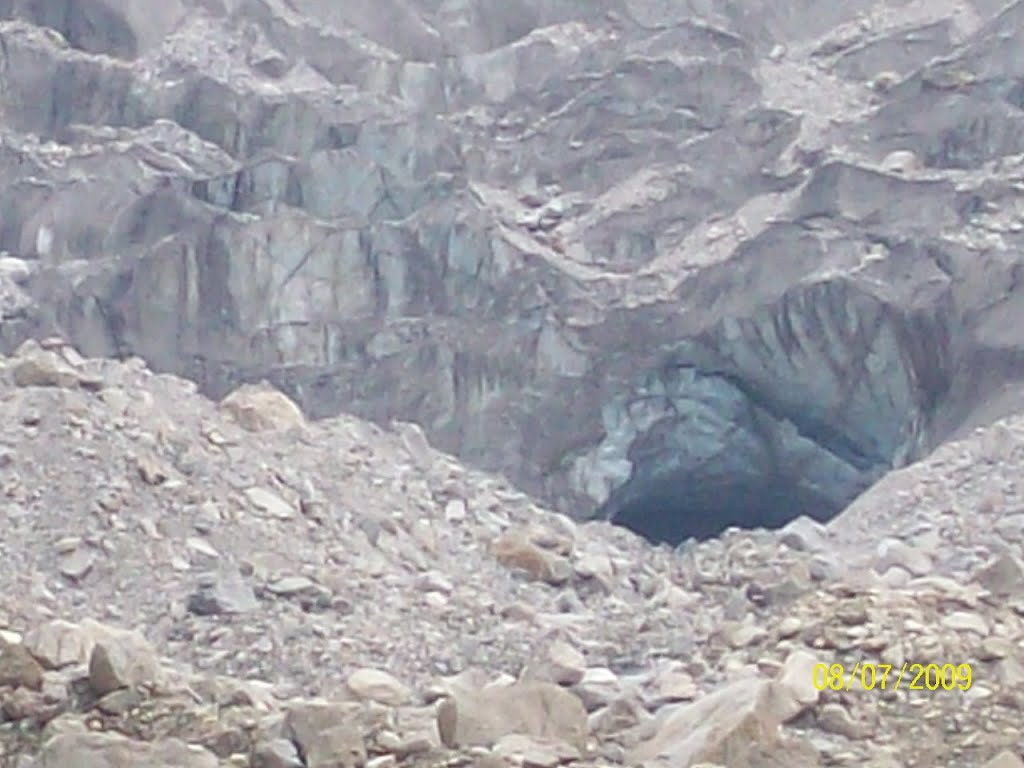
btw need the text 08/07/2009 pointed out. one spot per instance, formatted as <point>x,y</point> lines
<point>915,677</point>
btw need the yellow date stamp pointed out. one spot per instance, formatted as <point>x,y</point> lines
<point>914,677</point>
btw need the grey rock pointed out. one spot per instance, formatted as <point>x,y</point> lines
<point>77,563</point>
<point>528,708</point>
<point>378,685</point>
<point>269,503</point>
<point>112,750</point>
<point>328,735</point>
<point>225,591</point>
<point>260,408</point>
<point>892,552</point>
<point>121,660</point>
<point>728,722</point>
<point>292,585</point>
<point>276,753</point>
<point>18,668</point>
<point>804,534</point>
<point>1003,575</point>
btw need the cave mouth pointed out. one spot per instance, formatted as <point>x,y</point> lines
<point>674,509</point>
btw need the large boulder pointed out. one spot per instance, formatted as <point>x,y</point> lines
<point>530,708</point>
<point>112,750</point>
<point>729,726</point>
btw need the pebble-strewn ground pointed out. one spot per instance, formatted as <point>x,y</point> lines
<point>331,594</point>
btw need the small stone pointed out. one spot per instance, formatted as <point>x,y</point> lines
<point>216,437</point>
<point>515,551</point>
<point>964,621</point>
<point>455,511</point>
<point>120,702</point>
<point>291,585</point>
<point>994,648</point>
<point>804,534</point>
<point>208,517</point>
<point>789,627</point>
<point>884,81</point>
<point>223,592</point>
<point>11,637</point>
<point>377,685</point>
<point>277,753</point>
<point>852,615</point>
<point>532,752</point>
<point>201,547</point>
<point>597,567</point>
<point>26,704</point>
<point>901,161</point>
<point>150,471</point>
<point>621,715</point>
<point>270,503</point>
<point>1005,759</point>
<point>1002,575</point>
<point>67,544</point>
<point>673,686</point>
<point>825,567</point>
<point>18,668</point>
<point>833,718</point>
<point>744,635</point>
<point>435,581</point>
<point>401,748</point>
<point>566,664</point>
<point>896,577</point>
<point>598,688</point>
<point>77,564</point>
<point>893,552</point>
<point>519,611</point>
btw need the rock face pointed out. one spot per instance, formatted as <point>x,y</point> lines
<point>700,265</point>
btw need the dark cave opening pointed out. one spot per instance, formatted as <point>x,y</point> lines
<point>674,509</point>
